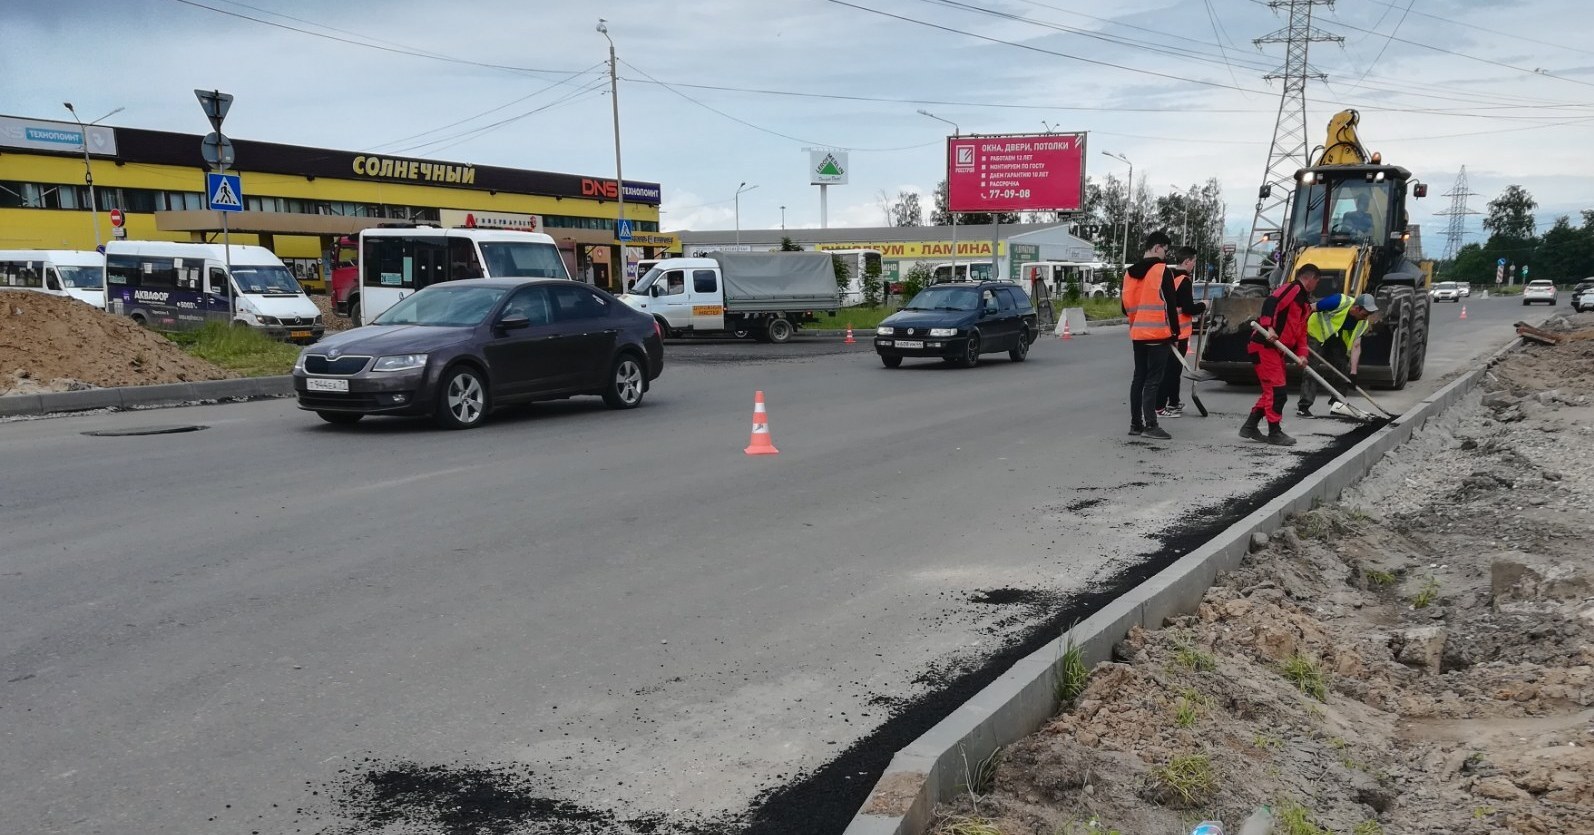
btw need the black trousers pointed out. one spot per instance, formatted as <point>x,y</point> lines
<point>1168,392</point>
<point>1146,386</point>
<point>1338,355</point>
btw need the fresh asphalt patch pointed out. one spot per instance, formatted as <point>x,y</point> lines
<point>444,799</point>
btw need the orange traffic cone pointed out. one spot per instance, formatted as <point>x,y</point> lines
<point>760,444</point>
<point>849,340</point>
<point>1463,311</point>
<point>1066,334</point>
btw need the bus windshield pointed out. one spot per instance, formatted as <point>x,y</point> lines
<point>444,306</point>
<point>83,278</point>
<point>522,260</point>
<point>265,281</point>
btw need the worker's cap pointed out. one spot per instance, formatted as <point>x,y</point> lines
<point>1365,302</point>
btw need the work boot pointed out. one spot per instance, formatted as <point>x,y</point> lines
<point>1276,436</point>
<point>1251,431</point>
<point>1157,433</point>
<point>1303,409</point>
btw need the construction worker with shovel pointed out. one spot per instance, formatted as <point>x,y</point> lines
<point>1281,325</point>
<point>1182,271</point>
<point>1334,333</point>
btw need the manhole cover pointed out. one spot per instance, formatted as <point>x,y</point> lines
<point>145,430</point>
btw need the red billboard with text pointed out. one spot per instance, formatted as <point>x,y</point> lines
<point>1042,172</point>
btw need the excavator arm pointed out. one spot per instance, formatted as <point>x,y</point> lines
<point>1344,147</point>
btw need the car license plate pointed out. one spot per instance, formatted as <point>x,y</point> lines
<point>326,385</point>
<point>910,343</point>
<point>299,334</point>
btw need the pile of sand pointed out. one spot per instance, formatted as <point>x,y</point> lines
<point>51,343</point>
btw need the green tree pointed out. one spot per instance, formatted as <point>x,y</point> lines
<point>914,281</point>
<point>843,273</point>
<point>1564,252</point>
<point>1471,265</point>
<point>906,211</point>
<point>1511,214</point>
<point>871,283</point>
<point>788,245</point>
<point>942,217</point>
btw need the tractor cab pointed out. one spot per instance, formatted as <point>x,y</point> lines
<point>1350,219</point>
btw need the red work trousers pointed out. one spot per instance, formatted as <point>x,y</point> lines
<point>1270,372</point>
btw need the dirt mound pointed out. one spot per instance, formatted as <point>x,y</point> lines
<point>333,321</point>
<point>1418,658</point>
<point>51,343</point>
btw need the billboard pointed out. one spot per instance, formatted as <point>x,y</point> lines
<point>827,168</point>
<point>43,135</point>
<point>1016,173</point>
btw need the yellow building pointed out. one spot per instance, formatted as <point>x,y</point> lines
<point>296,200</point>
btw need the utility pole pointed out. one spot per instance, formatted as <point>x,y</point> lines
<point>956,133</point>
<point>782,218</point>
<point>1129,204</point>
<point>1457,213</point>
<point>619,175</point>
<point>1289,152</point>
<point>88,172</point>
<point>744,187</point>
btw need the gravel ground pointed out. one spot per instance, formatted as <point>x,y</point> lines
<point>1413,659</point>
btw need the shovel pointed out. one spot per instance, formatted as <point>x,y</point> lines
<point>1359,389</point>
<point>1350,411</point>
<point>1194,398</point>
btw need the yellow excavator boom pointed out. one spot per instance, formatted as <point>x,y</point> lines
<point>1344,147</point>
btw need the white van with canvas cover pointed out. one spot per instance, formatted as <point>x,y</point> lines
<point>57,272</point>
<point>175,286</point>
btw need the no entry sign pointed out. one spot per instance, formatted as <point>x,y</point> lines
<point>1042,172</point>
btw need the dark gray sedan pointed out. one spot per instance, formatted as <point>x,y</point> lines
<point>458,350</point>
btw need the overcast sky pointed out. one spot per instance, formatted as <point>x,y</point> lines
<point>1511,96</point>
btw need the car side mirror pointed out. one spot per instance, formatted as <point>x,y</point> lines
<point>514,323</point>
<point>654,291</point>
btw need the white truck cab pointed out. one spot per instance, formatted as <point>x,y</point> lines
<point>765,295</point>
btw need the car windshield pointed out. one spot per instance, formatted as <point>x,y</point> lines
<point>522,260</point>
<point>444,306</point>
<point>265,281</point>
<point>642,285</point>
<point>83,278</point>
<point>945,298</point>
<point>1447,285</point>
<point>1540,285</point>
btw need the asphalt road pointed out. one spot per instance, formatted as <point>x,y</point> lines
<point>276,625</point>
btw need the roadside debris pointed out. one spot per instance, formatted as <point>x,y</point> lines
<point>52,343</point>
<point>1417,658</point>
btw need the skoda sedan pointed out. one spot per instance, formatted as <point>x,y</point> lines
<point>957,323</point>
<point>456,351</point>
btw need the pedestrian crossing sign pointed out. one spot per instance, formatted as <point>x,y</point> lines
<point>225,192</point>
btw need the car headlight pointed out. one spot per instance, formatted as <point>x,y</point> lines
<point>943,332</point>
<point>298,364</point>
<point>266,320</point>
<point>400,362</point>
<point>318,320</point>
<point>885,330</point>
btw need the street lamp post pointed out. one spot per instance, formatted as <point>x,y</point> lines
<point>88,171</point>
<point>619,175</point>
<point>1129,198</point>
<point>782,218</point>
<point>739,190</point>
<point>956,132</point>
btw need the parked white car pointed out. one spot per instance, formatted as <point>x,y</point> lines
<point>1445,291</point>
<point>1542,290</point>
<point>1465,288</point>
<point>1584,301</point>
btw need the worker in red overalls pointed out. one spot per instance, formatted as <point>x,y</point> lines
<point>1285,314</point>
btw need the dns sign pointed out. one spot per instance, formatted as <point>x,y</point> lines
<point>607,189</point>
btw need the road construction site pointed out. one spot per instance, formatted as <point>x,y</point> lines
<point>1415,657</point>
<point>580,620</point>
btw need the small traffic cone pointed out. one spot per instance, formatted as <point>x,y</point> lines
<point>760,444</point>
<point>1065,335</point>
<point>1463,311</point>
<point>849,340</point>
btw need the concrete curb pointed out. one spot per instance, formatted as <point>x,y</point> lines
<point>127,397</point>
<point>930,769</point>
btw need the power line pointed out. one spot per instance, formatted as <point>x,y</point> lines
<point>761,128</point>
<point>1492,31</point>
<point>397,51</point>
<point>1382,49</point>
<point>1030,48</point>
<point>507,104</point>
<point>479,131</point>
<point>1440,49</point>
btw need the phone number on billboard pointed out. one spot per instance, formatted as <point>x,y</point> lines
<point>1007,194</point>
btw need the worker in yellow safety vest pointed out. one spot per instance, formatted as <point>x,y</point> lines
<point>1334,331</point>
